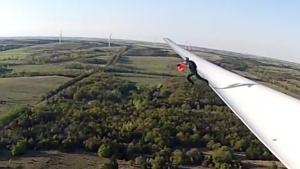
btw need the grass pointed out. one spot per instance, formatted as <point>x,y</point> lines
<point>25,90</point>
<point>151,64</point>
<point>45,70</point>
<point>142,79</point>
<point>148,64</point>
<point>38,68</point>
<point>15,54</point>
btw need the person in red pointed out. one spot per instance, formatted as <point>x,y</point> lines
<point>193,70</point>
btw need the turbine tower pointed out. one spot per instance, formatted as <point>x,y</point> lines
<point>109,40</point>
<point>60,37</point>
<point>186,45</point>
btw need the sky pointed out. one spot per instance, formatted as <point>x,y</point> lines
<point>269,28</point>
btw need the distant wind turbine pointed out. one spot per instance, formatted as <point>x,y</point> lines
<point>60,37</point>
<point>188,46</point>
<point>109,40</point>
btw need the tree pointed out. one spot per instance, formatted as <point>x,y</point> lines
<point>181,137</point>
<point>212,145</point>
<point>252,153</point>
<point>105,150</point>
<point>222,155</point>
<point>133,148</point>
<point>195,138</point>
<point>19,148</point>
<point>177,97</point>
<point>240,145</point>
<point>195,156</point>
<point>91,144</point>
<point>157,162</point>
<point>177,157</point>
<point>141,162</point>
<point>223,166</point>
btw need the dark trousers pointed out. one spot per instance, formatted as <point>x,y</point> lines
<point>189,77</point>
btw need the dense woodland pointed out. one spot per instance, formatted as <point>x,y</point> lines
<point>167,125</point>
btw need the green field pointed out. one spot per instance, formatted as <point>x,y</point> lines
<point>151,63</point>
<point>16,54</point>
<point>25,90</point>
<point>143,79</point>
<point>148,70</point>
<point>38,68</point>
<point>47,69</point>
